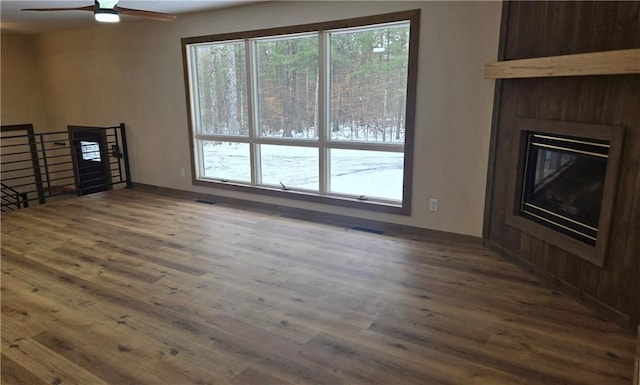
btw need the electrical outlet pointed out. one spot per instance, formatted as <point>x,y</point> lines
<point>182,173</point>
<point>433,204</point>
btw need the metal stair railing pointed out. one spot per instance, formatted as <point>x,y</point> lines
<point>39,166</point>
<point>12,199</point>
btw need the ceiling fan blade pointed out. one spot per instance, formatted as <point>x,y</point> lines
<point>87,8</point>
<point>145,14</point>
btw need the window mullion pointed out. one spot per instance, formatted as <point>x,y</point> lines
<point>223,138</point>
<point>252,86</point>
<point>368,146</point>
<point>195,108</point>
<point>323,116</point>
<point>195,100</point>
<point>200,149</point>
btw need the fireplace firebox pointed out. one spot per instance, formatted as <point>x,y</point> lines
<point>563,183</point>
<point>563,186</point>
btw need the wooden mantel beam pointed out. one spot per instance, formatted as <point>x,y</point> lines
<point>619,62</point>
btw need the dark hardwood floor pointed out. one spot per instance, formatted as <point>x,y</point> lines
<point>128,287</point>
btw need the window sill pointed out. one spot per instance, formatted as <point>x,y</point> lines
<point>383,207</point>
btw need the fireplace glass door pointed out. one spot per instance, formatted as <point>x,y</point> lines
<point>563,183</point>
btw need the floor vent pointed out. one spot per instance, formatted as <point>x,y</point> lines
<point>367,230</point>
<point>205,201</point>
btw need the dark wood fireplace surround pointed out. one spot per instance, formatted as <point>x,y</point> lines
<point>613,135</point>
<point>602,104</point>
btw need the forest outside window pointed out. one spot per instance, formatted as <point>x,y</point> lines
<point>323,112</point>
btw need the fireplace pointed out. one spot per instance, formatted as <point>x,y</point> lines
<point>563,183</point>
<point>563,186</point>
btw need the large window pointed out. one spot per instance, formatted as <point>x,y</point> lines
<point>320,112</point>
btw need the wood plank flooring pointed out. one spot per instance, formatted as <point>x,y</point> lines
<point>129,287</point>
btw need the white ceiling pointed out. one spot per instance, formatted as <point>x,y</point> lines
<point>14,20</point>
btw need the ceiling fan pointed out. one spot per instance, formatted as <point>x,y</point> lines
<point>108,11</point>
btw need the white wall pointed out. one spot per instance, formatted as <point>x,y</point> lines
<point>132,72</point>
<point>21,99</point>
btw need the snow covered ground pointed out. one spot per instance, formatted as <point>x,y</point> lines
<point>370,173</point>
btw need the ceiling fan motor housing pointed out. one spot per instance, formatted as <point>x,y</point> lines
<point>106,4</point>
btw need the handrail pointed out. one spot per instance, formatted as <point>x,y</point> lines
<point>21,199</point>
<point>4,186</point>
